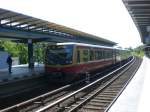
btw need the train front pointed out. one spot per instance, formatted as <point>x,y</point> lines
<point>58,62</point>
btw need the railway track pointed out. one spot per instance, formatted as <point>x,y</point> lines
<point>17,91</point>
<point>97,96</point>
<point>55,97</point>
<point>22,90</point>
<point>102,98</point>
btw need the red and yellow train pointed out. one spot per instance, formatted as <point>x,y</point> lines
<point>69,61</point>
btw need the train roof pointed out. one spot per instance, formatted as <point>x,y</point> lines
<point>83,44</point>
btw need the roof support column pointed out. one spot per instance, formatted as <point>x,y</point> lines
<point>147,39</point>
<point>30,54</point>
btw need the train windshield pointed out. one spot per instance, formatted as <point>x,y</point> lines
<point>59,55</point>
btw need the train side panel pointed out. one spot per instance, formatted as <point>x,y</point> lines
<point>84,59</point>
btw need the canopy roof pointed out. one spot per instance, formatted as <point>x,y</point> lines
<point>140,13</point>
<point>17,21</point>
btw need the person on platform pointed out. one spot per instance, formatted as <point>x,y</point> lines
<point>9,62</point>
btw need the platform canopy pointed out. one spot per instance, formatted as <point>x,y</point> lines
<point>140,13</point>
<point>21,27</point>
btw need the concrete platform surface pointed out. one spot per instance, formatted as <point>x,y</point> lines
<point>20,71</point>
<point>136,96</point>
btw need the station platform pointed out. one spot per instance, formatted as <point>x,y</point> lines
<point>136,96</point>
<point>20,71</point>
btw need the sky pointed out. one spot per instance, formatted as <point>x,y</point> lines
<point>108,19</point>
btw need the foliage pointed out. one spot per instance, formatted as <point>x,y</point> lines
<point>23,53</point>
<point>39,52</point>
<point>21,50</point>
<point>10,47</point>
<point>138,51</point>
<point>1,45</point>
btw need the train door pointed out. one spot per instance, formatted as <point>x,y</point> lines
<point>114,56</point>
<point>74,54</point>
<point>91,55</point>
<point>78,55</point>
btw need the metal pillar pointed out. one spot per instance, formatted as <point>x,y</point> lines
<point>30,54</point>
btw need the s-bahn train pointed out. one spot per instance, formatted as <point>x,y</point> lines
<point>65,62</point>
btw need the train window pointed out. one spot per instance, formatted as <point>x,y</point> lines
<point>78,56</point>
<point>108,53</point>
<point>85,57</point>
<point>96,54</point>
<point>91,55</point>
<point>111,54</point>
<point>103,54</point>
<point>99,54</point>
<point>59,55</point>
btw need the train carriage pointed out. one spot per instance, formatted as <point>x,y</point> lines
<point>69,61</point>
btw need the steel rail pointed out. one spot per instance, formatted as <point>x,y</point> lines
<point>99,90</point>
<point>76,92</point>
<point>46,95</point>
<point>28,102</point>
<point>133,74</point>
<point>40,98</point>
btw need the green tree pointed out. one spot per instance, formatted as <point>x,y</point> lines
<point>39,50</point>
<point>139,51</point>
<point>23,53</point>
<point>21,50</point>
<point>1,45</point>
<point>10,47</point>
